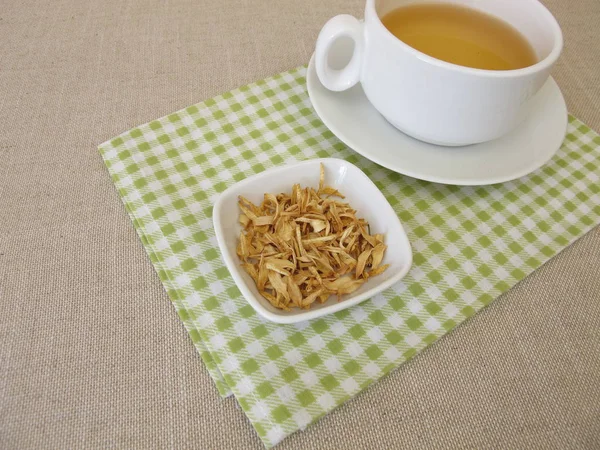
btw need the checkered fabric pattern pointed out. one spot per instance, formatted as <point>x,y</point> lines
<point>470,245</point>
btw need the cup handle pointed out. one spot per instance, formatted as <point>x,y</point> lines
<point>335,28</point>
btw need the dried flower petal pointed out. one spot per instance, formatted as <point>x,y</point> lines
<point>294,291</point>
<point>280,265</point>
<point>362,262</point>
<point>278,284</point>
<point>263,220</point>
<point>377,255</point>
<point>311,298</point>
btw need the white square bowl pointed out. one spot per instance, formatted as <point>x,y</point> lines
<point>360,193</point>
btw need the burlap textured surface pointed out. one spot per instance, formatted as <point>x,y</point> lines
<point>92,353</point>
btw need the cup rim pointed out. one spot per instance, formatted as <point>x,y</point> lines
<point>545,63</point>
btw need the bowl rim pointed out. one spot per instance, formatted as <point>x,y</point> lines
<point>309,314</point>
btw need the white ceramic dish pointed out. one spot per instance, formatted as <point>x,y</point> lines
<point>360,192</point>
<point>352,118</point>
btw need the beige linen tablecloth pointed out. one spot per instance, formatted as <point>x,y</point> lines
<point>93,355</point>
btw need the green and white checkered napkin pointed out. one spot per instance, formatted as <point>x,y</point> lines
<point>470,245</point>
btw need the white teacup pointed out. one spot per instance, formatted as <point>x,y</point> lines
<point>433,100</point>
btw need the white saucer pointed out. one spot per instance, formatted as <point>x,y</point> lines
<point>350,116</point>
